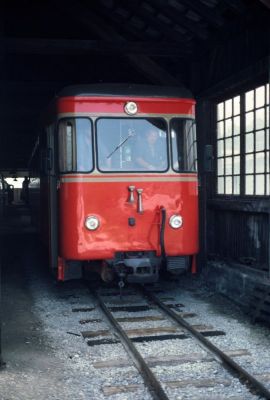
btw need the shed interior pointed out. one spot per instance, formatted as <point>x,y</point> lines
<point>219,49</point>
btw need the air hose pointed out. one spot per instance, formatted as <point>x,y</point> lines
<point>162,236</point>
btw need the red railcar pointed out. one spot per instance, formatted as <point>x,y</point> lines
<point>119,188</point>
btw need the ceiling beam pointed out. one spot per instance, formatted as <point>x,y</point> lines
<point>143,64</point>
<point>237,5</point>
<point>205,12</point>
<point>266,3</point>
<point>83,47</point>
<point>179,19</point>
<point>122,21</point>
<point>149,18</point>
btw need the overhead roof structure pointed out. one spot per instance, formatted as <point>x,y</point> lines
<point>48,45</point>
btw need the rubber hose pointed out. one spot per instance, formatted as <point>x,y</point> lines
<point>162,236</point>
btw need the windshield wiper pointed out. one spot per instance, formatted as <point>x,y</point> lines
<point>130,134</point>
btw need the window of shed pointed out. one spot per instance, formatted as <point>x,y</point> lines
<point>243,144</point>
<point>228,146</point>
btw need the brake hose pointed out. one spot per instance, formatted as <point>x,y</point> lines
<point>162,236</point>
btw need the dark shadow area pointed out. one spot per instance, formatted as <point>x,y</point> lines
<point>21,330</point>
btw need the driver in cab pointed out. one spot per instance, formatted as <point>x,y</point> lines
<point>151,155</point>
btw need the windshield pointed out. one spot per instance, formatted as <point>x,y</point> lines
<point>184,149</point>
<point>132,144</point>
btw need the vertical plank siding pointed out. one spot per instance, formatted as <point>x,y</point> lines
<point>239,236</point>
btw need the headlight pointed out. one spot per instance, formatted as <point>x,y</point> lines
<point>131,108</point>
<point>176,221</point>
<point>91,223</point>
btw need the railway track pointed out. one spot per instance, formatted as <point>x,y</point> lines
<point>178,328</point>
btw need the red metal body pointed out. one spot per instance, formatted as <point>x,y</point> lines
<point>105,195</point>
<point>115,105</point>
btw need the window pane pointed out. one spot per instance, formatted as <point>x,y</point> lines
<point>228,185</point>
<point>260,99</point>
<point>236,105</point>
<point>228,127</point>
<point>75,145</point>
<point>220,148</point>
<point>249,100</point>
<point>189,132</point>
<point>249,184</point>
<point>251,151</point>
<point>236,165</point>
<point>267,184</point>
<point>260,167</point>
<point>250,143</point>
<point>220,187</point>
<point>69,140</point>
<point>220,166</point>
<point>236,184</point>
<point>228,108</point>
<point>129,144</point>
<point>228,147</point>
<point>220,111</point>
<point>84,145</point>
<point>220,129</point>
<point>260,123</point>
<point>260,140</point>
<point>249,163</point>
<point>228,166</point>
<point>236,125</point>
<point>250,121</point>
<point>236,145</point>
<point>259,184</point>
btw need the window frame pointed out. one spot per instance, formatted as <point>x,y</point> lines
<point>166,125</point>
<point>254,153</point>
<point>171,148</point>
<point>74,140</point>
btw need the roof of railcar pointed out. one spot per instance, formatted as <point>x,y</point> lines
<point>118,90</point>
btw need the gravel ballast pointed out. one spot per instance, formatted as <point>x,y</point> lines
<point>55,362</point>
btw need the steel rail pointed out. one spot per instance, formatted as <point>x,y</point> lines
<point>244,377</point>
<point>149,378</point>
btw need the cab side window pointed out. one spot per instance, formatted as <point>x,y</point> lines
<point>75,145</point>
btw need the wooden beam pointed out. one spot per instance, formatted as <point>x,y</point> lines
<point>236,5</point>
<point>232,84</point>
<point>150,19</point>
<point>266,3</point>
<point>205,12</point>
<point>152,70</point>
<point>179,19</point>
<point>84,47</point>
<point>144,64</point>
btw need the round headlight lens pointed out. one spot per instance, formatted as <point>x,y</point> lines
<point>131,108</point>
<point>176,221</point>
<point>91,223</point>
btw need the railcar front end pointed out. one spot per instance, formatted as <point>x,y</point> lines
<point>126,200</point>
